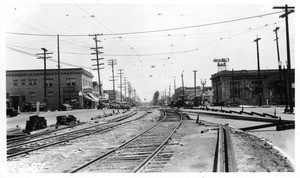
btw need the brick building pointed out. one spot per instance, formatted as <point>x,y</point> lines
<point>27,86</point>
<point>242,87</point>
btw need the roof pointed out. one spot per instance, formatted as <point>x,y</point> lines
<point>49,71</point>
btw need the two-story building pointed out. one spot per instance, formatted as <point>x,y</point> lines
<point>27,86</point>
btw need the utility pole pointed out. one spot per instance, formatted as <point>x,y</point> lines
<point>182,84</point>
<point>129,90</point>
<point>125,86</point>
<point>195,81</point>
<point>174,84</point>
<point>233,85</point>
<point>279,63</point>
<point>121,73</point>
<point>97,60</point>
<point>203,82</point>
<point>258,67</point>
<point>58,71</point>
<point>288,10</point>
<point>45,74</point>
<point>113,62</point>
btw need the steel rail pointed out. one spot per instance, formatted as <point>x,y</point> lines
<point>17,139</point>
<point>117,148</point>
<point>73,138</point>
<point>72,132</point>
<point>225,156</point>
<point>150,157</point>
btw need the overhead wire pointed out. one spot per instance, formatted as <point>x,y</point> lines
<point>154,31</point>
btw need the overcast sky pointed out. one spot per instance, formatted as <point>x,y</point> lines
<point>174,38</point>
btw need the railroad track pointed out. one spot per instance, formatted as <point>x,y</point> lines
<point>136,154</point>
<point>23,147</point>
<point>224,157</point>
<point>24,138</point>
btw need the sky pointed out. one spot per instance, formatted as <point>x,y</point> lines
<point>153,43</point>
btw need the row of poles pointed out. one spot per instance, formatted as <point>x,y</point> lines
<point>112,63</point>
<point>289,99</point>
<point>99,66</point>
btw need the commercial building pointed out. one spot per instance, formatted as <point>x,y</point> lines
<point>243,87</point>
<point>27,86</point>
<point>189,93</point>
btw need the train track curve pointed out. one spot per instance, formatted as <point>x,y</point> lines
<point>137,153</point>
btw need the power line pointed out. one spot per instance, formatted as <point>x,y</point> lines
<point>153,31</point>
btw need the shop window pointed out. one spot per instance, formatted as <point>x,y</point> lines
<point>234,89</point>
<point>256,87</point>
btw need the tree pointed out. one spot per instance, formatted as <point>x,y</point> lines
<point>155,98</point>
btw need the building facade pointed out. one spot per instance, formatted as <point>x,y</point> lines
<point>112,96</point>
<point>205,94</point>
<point>27,86</point>
<point>243,87</point>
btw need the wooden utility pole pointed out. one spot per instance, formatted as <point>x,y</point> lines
<point>258,68</point>
<point>182,85</point>
<point>125,85</point>
<point>121,73</point>
<point>112,63</point>
<point>203,83</point>
<point>288,10</point>
<point>58,71</point>
<point>45,73</point>
<point>195,82</point>
<point>279,62</point>
<point>97,60</point>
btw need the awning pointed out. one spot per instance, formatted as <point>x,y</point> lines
<point>93,97</point>
<point>87,97</point>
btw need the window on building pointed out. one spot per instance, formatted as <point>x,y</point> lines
<point>49,82</point>
<point>32,94</point>
<point>50,93</point>
<point>71,81</point>
<point>15,82</point>
<point>234,89</point>
<point>23,82</point>
<point>256,87</point>
<point>32,81</point>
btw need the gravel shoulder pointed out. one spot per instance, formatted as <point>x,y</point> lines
<point>193,148</point>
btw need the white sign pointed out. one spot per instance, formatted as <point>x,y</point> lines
<point>222,60</point>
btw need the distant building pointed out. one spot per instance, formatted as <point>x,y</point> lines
<point>189,93</point>
<point>242,87</point>
<point>27,86</point>
<point>111,96</point>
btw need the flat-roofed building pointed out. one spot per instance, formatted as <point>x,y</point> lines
<point>242,87</point>
<point>27,86</point>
